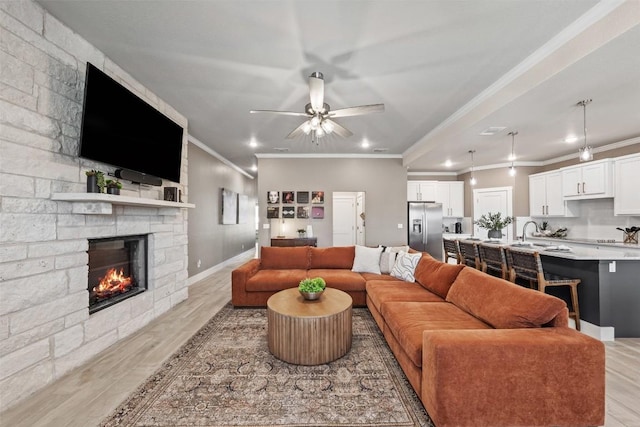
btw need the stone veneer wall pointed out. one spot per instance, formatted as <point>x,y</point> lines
<point>45,327</point>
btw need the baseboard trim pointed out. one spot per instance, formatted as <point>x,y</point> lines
<point>246,255</point>
<point>602,333</point>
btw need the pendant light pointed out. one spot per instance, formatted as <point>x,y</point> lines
<point>473,180</point>
<point>586,152</point>
<point>512,169</point>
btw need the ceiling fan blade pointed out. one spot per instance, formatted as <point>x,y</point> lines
<point>282,113</point>
<point>357,111</point>
<point>316,91</point>
<point>297,131</point>
<point>339,129</point>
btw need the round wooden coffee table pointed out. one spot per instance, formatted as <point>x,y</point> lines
<point>309,332</point>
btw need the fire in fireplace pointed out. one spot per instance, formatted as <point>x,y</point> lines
<point>117,270</point>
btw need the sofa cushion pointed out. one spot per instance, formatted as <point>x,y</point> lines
<point>374,276</point>
<point>284,257</point>
<point>405,266</point>
<point>407,321</point>
<point>367,259</point>
<point>332,257</point>
<point>275,280</point>
<point>343,279</point>
<point>381,291</point>
<point>435,275</point>
<point>502,304</point>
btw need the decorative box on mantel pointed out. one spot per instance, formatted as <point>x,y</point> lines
<point>102,204</point>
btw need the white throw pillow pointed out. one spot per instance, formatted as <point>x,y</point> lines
<point>405,266</point>
<point>388,257</point>
<point>367,260</point>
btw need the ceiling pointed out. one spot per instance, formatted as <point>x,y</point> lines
<point>445,70</point>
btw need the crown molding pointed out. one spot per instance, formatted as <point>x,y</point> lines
<point>326,156</point>
<point>193,140</point>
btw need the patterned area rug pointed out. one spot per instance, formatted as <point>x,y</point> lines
<point>225,376</point>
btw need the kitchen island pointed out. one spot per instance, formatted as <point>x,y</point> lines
<point>609,293</point>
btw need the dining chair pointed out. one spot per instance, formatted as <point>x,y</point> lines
<point>469,253</point>
<point>527,265</point>
<point>493,260</point>
<point>451,250</point>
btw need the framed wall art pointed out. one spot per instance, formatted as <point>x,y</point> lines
<point>273,197</point>
<point>302,197</point>
<point>229,207</point>
<point>273,212</point>
<point>317,197</point>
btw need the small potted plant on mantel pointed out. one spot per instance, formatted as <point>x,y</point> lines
<point>302,232</point>
<point>113,186</point>
<point>494,223</point>
<point>311,289</point>
<point>95,181</point>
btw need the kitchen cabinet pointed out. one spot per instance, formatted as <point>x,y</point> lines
<point>451,195</point>
<point>545,194</point>
<point>626,200</point>
<point>421,191</point>
<point>588,181</point>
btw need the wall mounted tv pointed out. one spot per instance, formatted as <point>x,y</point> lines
<point>121,129</point>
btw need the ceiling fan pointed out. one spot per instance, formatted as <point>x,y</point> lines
<point>319,114</point>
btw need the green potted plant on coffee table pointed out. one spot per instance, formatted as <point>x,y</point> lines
<point>312,288</point>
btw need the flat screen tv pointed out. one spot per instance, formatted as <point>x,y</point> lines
<point>121,129</point>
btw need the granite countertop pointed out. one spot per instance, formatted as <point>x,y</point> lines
<point>563,248</point>
<point>594,242</point>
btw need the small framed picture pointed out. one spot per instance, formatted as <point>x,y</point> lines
<point>273,212</point>
<point>273,197</point>
<point>288,212</point>
<point>303,212</point>
<point>288,197</point>
<point>317,212</point>
<point>302,197</point>
<point>317,197</point>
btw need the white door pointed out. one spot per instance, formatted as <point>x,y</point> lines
<point>344,219</point>
<point>492,200</point>
<point>360,220</point>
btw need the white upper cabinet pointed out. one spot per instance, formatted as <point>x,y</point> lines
<point>545,194</point>
<point>451,195</point>
<point>421,191</point>
<point>627,185</point>
<point>588,181</point>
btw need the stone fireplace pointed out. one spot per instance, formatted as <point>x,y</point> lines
<point>117,270</point>
<point>50,224</point>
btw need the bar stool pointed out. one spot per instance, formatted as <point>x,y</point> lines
<point>493,260</point>
<point>469,253</point>
<point>527,265</point>
<point>451,250</point>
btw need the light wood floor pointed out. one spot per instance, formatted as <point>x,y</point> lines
<point>90,393</point>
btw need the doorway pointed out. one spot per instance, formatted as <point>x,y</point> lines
<point>348,218</point>
<point>498,199</point>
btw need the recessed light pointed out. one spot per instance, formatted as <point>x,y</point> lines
<point>253,143</point>
<point>512,157</point>
<point>492,130</point>
<point>448,163</point>
<point>571,139</point>
<point>254,168</point>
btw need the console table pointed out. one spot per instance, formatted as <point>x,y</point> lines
<point>294,241</point>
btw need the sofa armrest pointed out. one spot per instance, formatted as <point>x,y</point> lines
<point>239,277</point>
<point>537,376</point>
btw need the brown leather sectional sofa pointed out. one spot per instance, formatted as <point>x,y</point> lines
<point>478,350</point>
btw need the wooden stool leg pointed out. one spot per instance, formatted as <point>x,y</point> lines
<point>576,307</point>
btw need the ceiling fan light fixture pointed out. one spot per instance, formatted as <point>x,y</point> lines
<point>586,152</point>
<point>306,127</point>
<point>327,126</point>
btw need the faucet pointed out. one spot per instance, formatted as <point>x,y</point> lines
<point>524,229</point>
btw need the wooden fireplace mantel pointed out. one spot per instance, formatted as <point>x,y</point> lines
<point>102,204</point>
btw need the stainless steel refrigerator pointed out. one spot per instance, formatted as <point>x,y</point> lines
<point>425,228</point>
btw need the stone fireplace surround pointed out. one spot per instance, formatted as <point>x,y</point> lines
<point>46,218</point>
